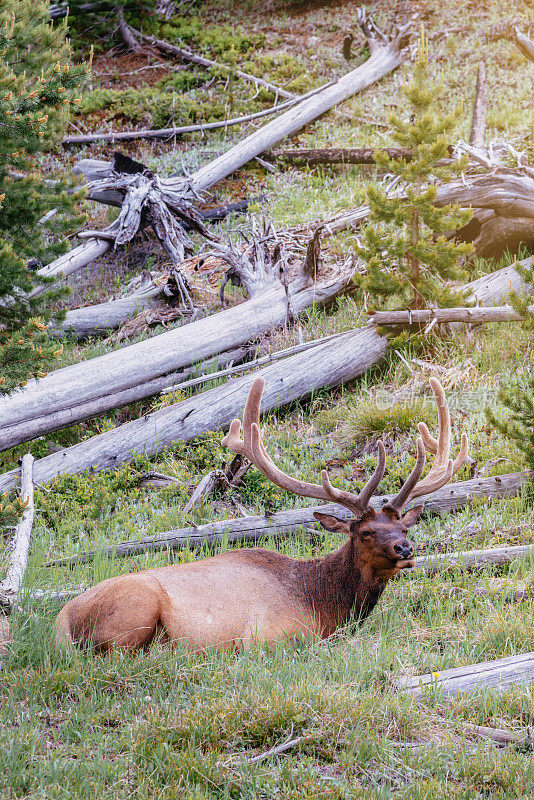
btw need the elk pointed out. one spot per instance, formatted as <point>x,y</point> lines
<point>230,600</point>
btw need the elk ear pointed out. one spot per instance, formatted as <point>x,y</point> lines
<point>412,516</point>
<point>330,523</point>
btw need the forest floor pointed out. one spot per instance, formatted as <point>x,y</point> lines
<point>171,724</point>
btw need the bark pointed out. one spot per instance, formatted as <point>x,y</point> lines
<point>491,676</point>
<point>297,377</point>
<point>470,316</point>
<point>11,584</point>
<point>285,523</point>
<point>478,124</point>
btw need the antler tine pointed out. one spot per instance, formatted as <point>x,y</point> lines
<point>402,497</point>
<point>443,467</point>
<point>233,440</point>
<point>251,446</point>
<point>368,490</point>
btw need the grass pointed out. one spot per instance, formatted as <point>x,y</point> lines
<point>172,724</point>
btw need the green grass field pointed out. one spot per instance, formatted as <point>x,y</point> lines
<point>171,724</point>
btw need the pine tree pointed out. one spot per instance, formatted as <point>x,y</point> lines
<point>517,397</point>
<point>37,83</point>
<point>407,255</point>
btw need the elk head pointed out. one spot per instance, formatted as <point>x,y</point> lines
<point>379,537</point>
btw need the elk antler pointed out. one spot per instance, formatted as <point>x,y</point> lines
<point>443,467</point>
<point>252,448</point>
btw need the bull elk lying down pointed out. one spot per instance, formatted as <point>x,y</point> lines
<point>232,599</point>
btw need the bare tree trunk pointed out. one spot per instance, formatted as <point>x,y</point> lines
<point>525,44</point>
<point>338,155</point>
<point>473,316</point>
<point>125,31</point>
<point>202,61</point>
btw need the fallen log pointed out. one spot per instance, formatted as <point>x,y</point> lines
<point>503,207</point>
<point>385,57</point>
<point>286,523</point>
<point>525,44</point>
<point>491,676</point>
<point>10,586</point>
<point>472,316</point>
<point>328,365</point>
<point>473,559</point>
<point>339,155</point>
<point>47,405</point>
<point>92,387</point>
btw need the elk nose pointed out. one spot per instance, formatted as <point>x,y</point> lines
<point>404,550</point>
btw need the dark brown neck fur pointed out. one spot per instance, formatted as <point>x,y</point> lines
<point>337,587</point>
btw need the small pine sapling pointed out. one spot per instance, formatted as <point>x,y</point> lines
<point>409,258</point>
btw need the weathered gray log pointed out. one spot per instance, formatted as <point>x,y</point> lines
<point>125,31</point>
<point>473,316</point>
<point>325,366</point>
<point>48,404</point>
<point>286,523</point>
<point>478,123</point>
<point>507,192</point>
<point>490,676</point>
<point>11,584</point>
<point>494,289</point>
<point>80,391</point>
<point>473,559</point>
<point>72,261</point>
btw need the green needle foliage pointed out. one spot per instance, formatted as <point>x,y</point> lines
<point>37,84</point>
<point>406,251</point>
<point>518,397</point>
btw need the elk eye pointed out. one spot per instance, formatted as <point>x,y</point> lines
<point>366,534</point>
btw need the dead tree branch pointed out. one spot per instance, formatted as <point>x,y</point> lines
<point>11,584</point>
<point>478,124</point>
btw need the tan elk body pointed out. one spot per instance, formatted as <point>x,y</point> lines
<point>232,599</point>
